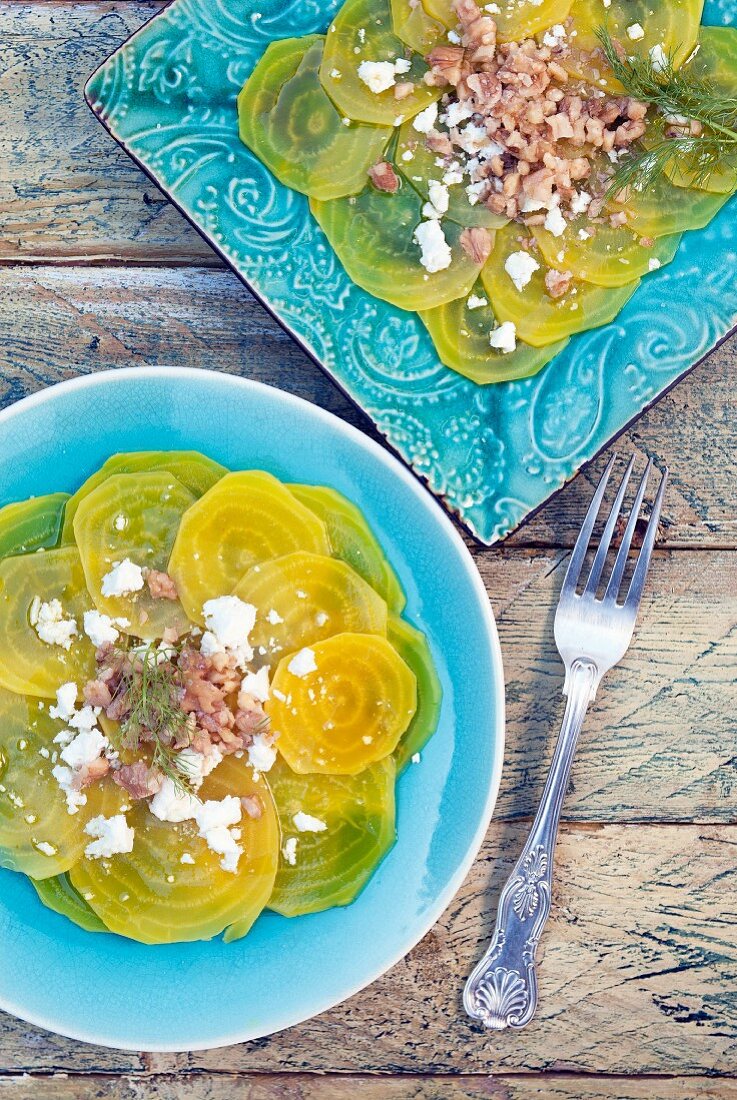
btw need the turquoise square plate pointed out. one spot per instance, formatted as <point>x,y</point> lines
<point>107,990</point>
<point>493,454</point>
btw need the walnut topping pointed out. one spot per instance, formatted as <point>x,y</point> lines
<point>383,177</point>
<point>557,283</point>
<point>476,243</point>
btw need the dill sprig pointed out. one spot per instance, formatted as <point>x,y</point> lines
<point>675,94</point>
<point>153,688</point>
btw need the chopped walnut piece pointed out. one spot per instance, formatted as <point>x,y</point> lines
<point>383,177</point>
<point>138,780</point>
<point>161,586</point>
<point>403,89</point>
<point>476,243</point>
<point>448,65</point>
<point>557,283</point>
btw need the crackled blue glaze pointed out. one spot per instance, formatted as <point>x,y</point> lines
<point>108,990</point>
<point>493,453</point>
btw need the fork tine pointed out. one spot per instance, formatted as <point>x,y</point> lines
<point>606,538</point>
<point>620,561</point>
<point>634,593</point>
<point>573,571</point>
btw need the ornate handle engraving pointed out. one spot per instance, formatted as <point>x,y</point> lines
<point>502,990</point>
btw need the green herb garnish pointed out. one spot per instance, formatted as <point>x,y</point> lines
<point>675,94</point>
<point>153,688</point>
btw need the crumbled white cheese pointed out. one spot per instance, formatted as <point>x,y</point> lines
<point>439,196</point>
<point>493,9</point>
<point>415,758</point>
<point>584,234</point>
<point>196,766</point>
<point>85,719</point>
<point>303,662</point>
<point>214,822</point>
<point>454,37</point>
<point>64,777</point>
<point>114,837</point>
<point>321,618</point>
<point>425,120</point>
<point>49,622</point>
<point>521,266</point>
<point>475,190</point>
<point>659,58</point>
<point>257,684</point>
<point>173,804</point>
<point>580,202</point>
<point>84,749</point>
<point>653,263</point>
<point>335,74</point>
<point>274,618</point>
<point>261,754</point>
<point>66,701</point>
<point>187,859</point>
<point>121,522</point>
<point>123,579</point>
<point>407,155</point>
<point>229,622</point>
<point>452,175</point>
<point>435,250</point>
<point>473,138</point>
<point>45,848</point>
<point>475,301</point>
<point>456,113</point>
<point>635,31</point>
<point>555,36</point>
<point>379,76</point>
<point>554,222</point>
<point>101,629</point>
<point>305,823</point>
<point>289,851</point>
<point>504,338</point>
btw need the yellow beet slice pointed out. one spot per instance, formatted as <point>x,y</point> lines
<point>38,835</point>
<point>415,27</point>
<point>133,517</point>
<point>362,32</point>
<point>353,540</point>
<point>247,518</point>
<point>302,598</point>
<point>30,525</point>
<point>515,19</point>
<point>195,471</point>
<point>347,713</point>
<point>539,319</point>
<point>330,865</point>
<point>412,646</point>
<point>609,257</point>
<point>28,665</point>
<point>373,237</point>
<point>662,208</point>
<point>461,338</point>
<point>168,901</point>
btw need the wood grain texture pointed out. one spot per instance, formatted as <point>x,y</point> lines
<point>303,1087</point>
<point>56,322</point>
<point>639,966</point>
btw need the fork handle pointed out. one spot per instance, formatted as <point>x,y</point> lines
<point>502,990</point>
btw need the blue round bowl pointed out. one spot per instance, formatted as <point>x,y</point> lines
<point>107,990</point>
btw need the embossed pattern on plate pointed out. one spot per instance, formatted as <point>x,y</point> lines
<point>493,454</point>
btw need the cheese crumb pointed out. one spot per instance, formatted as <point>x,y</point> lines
<point>439,196</point>
<point>425,120</point>
<point>475,301</point>
<point>229,621</point>
<point>580,202</point>
<point>305,823</point>
<point>274,618</point>
<point>187,859</point>
<point>114,837</point>
<point>302,663</point>
<point>635,31</point>
<point>659,58</point>
<point>555,223</point>
<point>66,702</point>
<point>49,622</point>
<point>261,754</point>
<point>521,266</point>
<point>64,777</point>
<point>435,250</point>
<point>101,629</point>
<point>555,36</point>
<point>379,76</point>
<point>256,684</point>
<point>45,848</point>
<point>504,338</point>
<point>86,747</point>
<point>289,851</point>
<point>653,264</point>
<point>123,579</point>
<point>215,821</point>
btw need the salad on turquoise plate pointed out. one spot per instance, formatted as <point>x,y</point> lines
<point>504,229</point>
<point>247,723</point>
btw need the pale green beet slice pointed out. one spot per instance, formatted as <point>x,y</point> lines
<point>412,646</point>
<point>30,525</point>
<point>539,319</point>
<point>331,865</point>
<point>418,165</point>
<point>353,540</point>
<point>289,122</point>
<point>662,208</point>
<point>195,471</point>
<point>461,333</point>
<point>59,895</point>
<point>362,32</point>
<point>609,256</point>
<point>373,236</point>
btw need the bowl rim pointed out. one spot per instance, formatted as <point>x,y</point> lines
<point>416,486</point>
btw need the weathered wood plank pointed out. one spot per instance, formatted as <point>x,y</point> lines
<point>56,322</point>
<point>303,1087</point>
<point>66,189</point>
<point>639,965</point>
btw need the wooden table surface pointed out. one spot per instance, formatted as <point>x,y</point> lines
<point>639,961</point>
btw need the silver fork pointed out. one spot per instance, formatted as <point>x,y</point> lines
<point>592,635</point>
